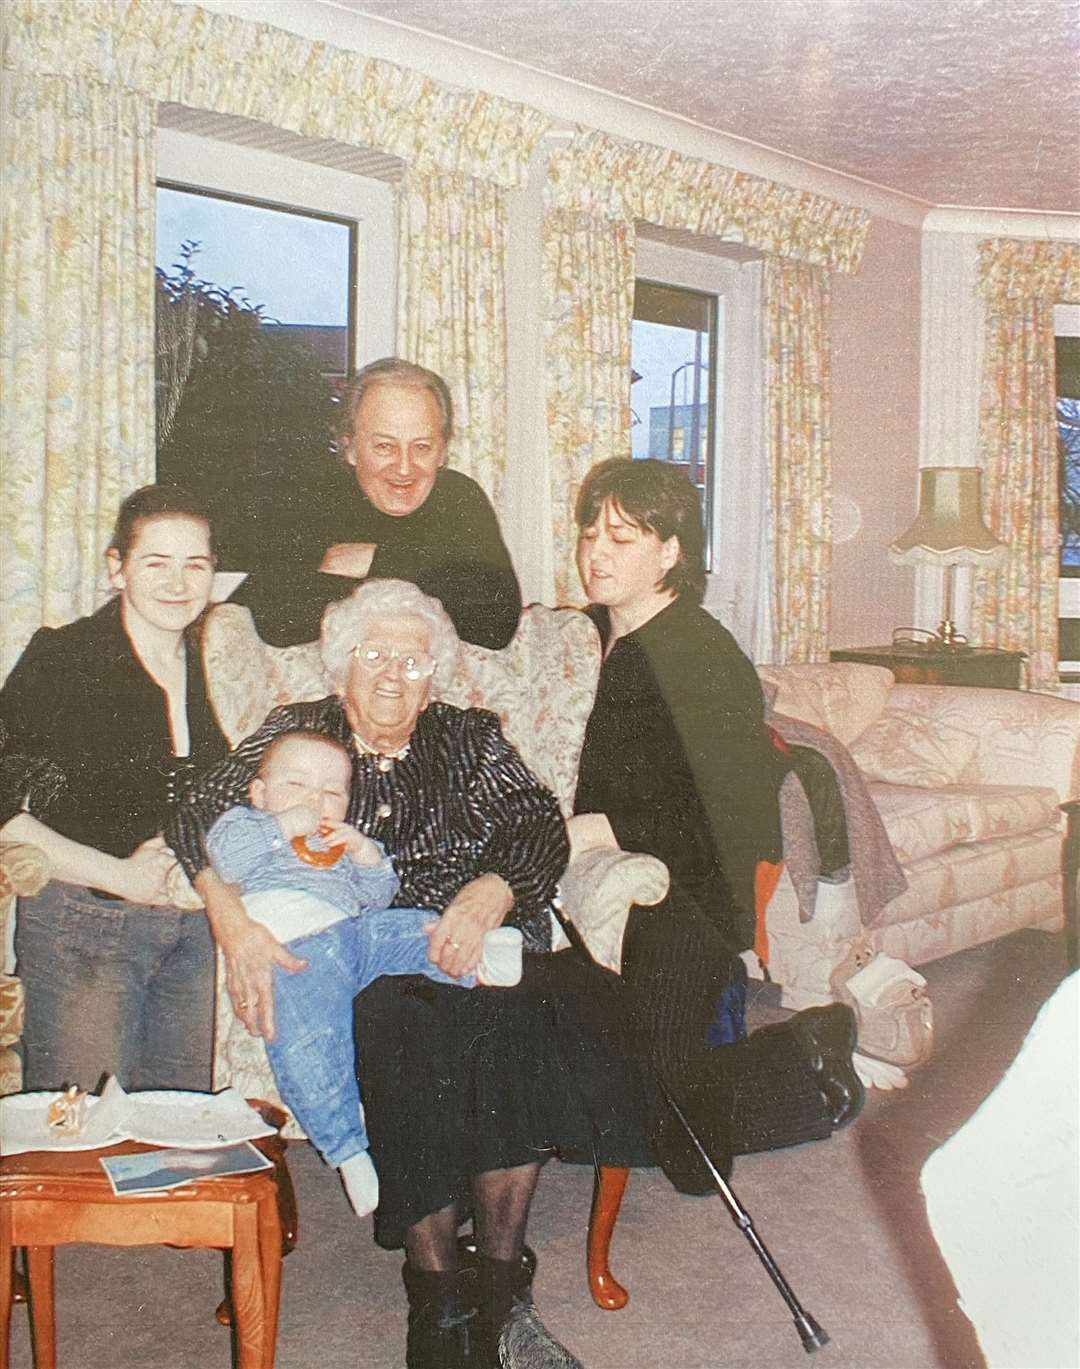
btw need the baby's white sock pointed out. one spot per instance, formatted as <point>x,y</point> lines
<point>500,959</point>
<point>361,1183</point>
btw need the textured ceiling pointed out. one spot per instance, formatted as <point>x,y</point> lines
<point>954,102</point>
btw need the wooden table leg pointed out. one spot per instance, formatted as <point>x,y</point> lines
<point>40,1264</point>
<point>270,1256</point>
<point>249,1312</point>
<point>606,1291</point>
<point>7,1279</point>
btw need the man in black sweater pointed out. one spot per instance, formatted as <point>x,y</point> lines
<point>404,516</point>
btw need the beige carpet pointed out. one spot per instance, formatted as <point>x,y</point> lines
<point>843,1218</point>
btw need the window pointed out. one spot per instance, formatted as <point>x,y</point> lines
<point>673,403</point>
<point>275,281</point>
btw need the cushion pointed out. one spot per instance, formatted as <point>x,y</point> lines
<point>901,749</point>
<point>923,821</point>
<point>597,891</point>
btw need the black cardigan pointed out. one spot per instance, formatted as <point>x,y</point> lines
<point>450,547</point>
<point>84,735</point>
<point>677,755</point>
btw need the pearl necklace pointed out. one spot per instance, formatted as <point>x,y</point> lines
<point>386,759</point>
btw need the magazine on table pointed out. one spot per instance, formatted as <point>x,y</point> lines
<point>158,1171</point>
<point>164,1117</point>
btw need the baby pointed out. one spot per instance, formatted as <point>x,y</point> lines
<point>328,901</point>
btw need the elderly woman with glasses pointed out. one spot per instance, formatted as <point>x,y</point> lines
<point>465,1093</point>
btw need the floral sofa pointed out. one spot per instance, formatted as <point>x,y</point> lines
<point>968,783</point>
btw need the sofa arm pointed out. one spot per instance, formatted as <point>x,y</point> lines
<point>599,888</point>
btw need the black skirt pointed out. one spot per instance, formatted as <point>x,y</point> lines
<point>460,1082</point>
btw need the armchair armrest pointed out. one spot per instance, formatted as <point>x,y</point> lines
<point>598,890</point>
<point>23,869</point>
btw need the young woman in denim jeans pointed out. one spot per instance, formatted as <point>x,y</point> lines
<point>100,721</point>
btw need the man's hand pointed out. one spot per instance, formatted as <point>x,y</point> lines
<point>348,558</point>
<point>457,939</point>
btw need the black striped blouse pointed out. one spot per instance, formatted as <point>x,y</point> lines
<point>459,804</point>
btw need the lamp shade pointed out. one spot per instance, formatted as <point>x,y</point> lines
<point>948,529</point>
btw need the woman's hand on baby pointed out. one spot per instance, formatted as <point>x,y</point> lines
<point>250,952</point>
<point>456,940</point>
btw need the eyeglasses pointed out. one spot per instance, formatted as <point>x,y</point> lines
<point>374,657</point>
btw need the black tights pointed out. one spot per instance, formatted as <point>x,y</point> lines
<point>501,1202</point>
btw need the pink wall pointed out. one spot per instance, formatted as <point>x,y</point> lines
<point>875,412</point>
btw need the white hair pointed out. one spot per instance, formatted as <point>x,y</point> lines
<point>346,623</point>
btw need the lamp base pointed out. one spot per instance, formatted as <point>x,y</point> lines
<point>949,637</point>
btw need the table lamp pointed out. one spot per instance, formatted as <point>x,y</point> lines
<point>948,531</point>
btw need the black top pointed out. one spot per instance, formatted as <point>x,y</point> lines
<point>450,547</point>
<point>84,735</point>
<point>460,804</point>
<point>677,755</point>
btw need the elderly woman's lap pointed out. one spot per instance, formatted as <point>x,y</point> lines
<point>459,1083</point>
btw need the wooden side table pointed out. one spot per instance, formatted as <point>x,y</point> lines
<point>49,1199</point>
<point>983,666</point>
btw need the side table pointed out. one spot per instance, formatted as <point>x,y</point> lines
<point>983,666</point>
<point>48,1198</point>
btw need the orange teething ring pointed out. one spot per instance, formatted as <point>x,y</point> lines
<point>320,859</point>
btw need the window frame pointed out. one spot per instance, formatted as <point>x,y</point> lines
<point>188,161</point>
<point>661,263</point>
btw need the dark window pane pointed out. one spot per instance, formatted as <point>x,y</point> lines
<point>253,330</point>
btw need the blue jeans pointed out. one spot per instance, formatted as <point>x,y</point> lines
<point>313,1054</point>
<point>114,988</point>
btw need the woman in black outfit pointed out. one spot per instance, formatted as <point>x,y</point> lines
<point>678,763</point>
<point>100,723</point>
<point>465,1094</point>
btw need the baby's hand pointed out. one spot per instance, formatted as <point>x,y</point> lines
<point>298,821</point>
<point>361,849</point>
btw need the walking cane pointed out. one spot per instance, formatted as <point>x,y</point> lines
<point>813,1336</point>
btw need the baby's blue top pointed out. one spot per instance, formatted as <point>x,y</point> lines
<point>247,847</point>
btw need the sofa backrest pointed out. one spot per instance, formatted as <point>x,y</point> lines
<point>541,686</point>
<point>841,697</point>
<point>1024,737</point>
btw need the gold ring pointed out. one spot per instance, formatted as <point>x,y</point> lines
<point>242,1004</point>
<point>456,944</point>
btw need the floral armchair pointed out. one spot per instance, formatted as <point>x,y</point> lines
<point>542,687</point>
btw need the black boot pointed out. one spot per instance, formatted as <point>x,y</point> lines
<point>827,1038</point>
<point>442,1318</point>
<point>512,1336</point>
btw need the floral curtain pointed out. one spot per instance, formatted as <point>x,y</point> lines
<point>589,304</point>
<point>1016,607</point>
<point>800,460</point>
<point>452,309</point>
<point>638,181</point>
<point>76,338</point>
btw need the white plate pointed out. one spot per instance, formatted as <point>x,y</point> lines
<point>197,1121</point>
<point>24,1125</point>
